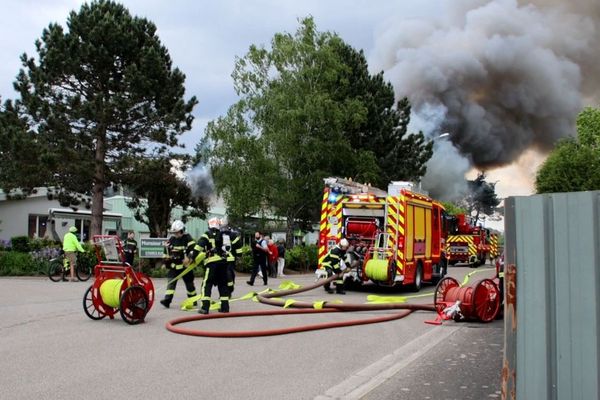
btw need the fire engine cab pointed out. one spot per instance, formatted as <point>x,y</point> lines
<point>397,237</point>
<point>468,243</point>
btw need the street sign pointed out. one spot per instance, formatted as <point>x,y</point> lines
<point>152,247</point>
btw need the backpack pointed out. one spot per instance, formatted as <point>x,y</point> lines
<point>218,238</point>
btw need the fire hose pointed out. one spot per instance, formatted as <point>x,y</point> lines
<point>299,308</point>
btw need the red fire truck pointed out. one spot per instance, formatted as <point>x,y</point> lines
<point>397,237</point>
<point>468,243</point>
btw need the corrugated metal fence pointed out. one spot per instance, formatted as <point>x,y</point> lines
<point>552,310</point>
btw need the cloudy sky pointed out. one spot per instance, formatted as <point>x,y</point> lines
<point>204,37</point>
<point>443,52</point>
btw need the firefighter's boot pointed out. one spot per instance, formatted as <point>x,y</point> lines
<point>166,303</point>
<point>224,306</point>
<point>204,307</point>
<point>339,288</point>
<point>328,288</point>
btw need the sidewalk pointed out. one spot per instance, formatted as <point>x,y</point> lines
<point>464,366</point>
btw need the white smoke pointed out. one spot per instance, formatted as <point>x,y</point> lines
<point>505,77</point>
<point>200,180</point>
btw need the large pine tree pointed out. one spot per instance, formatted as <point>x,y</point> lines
<point>101,93</point>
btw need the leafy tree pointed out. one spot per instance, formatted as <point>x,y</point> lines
<point>481,198</point>
<point>19,155</point>
<point>383,129</point>
<point>153,205</point>
<point>574,164</point>
<point>453,209</point>
<point>570,167</point>
<point>588,127</point>
<point>100,94</point>
<point>298,120</point>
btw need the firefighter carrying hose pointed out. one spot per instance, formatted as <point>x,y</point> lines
<point>180,252</point>
<point>333,263</point>
<point>232,245</point>
<point>216,274</point>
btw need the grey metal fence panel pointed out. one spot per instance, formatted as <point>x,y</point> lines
<point>554,242</point>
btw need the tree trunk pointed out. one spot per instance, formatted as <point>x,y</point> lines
<point>99,183</point>
<point>289,232</point>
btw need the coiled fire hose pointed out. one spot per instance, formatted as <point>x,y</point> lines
<point>299,308</point>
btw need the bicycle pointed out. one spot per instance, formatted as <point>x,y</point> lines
<point>59,269</point>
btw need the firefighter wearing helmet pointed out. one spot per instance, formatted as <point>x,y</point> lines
<point>333,264</point>
<point>232,245</point>
<point>215,262</point>
<point>180,252</point>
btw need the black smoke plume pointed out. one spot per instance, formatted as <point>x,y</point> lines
<point>500,76</point>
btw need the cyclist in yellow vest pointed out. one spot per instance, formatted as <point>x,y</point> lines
<point>71,246</point>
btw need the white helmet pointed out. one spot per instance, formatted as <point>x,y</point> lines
<point>177,226</point>
<point>214,223</point>
<point>344,243</point>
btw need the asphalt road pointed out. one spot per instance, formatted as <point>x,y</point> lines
<point>49,349</point>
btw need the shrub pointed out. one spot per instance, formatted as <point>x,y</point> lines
<point>157,272</point>
<point>41,258</point>
<point>14,263</point>
<point>245,262</point>
<point>40,244</point>
<point>20,244</point>
<point>301,258</point>
<point>5,244</point>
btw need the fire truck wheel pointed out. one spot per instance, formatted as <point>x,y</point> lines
<point>416,286</point>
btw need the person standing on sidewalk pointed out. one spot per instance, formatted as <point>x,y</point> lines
<point>71,246</point>
<point>260,251</point>
<point>281,258</point>
<point>130,248</point>
<point>272,258</point>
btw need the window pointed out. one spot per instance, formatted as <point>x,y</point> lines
<point>37,226</point>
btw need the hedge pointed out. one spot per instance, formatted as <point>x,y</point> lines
<point>36,262</point>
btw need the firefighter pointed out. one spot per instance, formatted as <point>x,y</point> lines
<point>180,251</point>
<point>130,248</point>
<point>232,245</point>
<point>215,262</point>
<point>333,265</point>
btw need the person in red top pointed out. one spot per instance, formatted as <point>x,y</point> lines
<point>272,258</point>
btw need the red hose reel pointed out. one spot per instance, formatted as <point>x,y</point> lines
<point>479,301</point>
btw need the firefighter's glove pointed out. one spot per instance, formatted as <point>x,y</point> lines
<point>186,261</point>
<point>320,274</point>
<point>453,311</point>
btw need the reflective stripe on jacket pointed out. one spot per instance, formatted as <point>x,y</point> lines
<point>70,243</point>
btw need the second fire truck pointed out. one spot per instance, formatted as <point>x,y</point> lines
<point>468,243</point>
<point>397,237</point>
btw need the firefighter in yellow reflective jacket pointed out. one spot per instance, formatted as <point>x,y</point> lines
<point>180,251</point>
<point>215,263</point>
<point>333,265</point>
<point>232,244</point>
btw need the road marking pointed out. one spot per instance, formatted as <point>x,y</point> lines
<point>369,378</point>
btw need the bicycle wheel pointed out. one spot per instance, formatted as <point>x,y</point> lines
<point>56,270</point>
<point>84,272</point>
